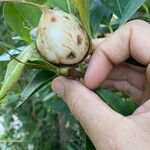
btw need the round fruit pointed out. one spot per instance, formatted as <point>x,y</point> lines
<point>61,39</point>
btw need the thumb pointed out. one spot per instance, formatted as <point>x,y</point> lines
<point>97,119</point>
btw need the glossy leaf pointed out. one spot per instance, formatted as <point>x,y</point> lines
<point>30,14</point>
<point>16,21</point>
<point>117,6</point>
<point>38,81</point>
<point>83,9</point>
<point>95,15</point>
<point>37,1</point>
<point>123,9</point>
<point>131,8</point>
<point>99,14</point>
<point>14,70</point>
<point>65,5</point>
<point>124,107</point>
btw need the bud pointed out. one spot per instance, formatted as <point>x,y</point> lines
<point>61,39</point>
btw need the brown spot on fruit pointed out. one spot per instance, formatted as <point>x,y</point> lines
<point>79,40</point>
<point>67,17</point>
<point>81,27</point>
<point>71,55</point>
<point>53,19</point>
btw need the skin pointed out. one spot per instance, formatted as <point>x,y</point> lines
<point>107,129</point>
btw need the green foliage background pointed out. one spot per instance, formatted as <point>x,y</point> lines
<point>43,122</point>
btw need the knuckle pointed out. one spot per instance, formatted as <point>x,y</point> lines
<point>136,25</point>
<point>136,22</point>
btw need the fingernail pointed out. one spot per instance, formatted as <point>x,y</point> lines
<point>58,87</point>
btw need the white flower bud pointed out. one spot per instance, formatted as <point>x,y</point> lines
<point>61,39</point>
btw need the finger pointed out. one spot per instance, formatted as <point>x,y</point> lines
<point>146,95</point>
<point>145,108</point>
<point>97,42</point>
<point>125,87</point>
<point>142,116</point>
<point>94,115</point>
<point>127,41</point>
<point>123,72</point>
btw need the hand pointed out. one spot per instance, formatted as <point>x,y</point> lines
<point>106,128</point>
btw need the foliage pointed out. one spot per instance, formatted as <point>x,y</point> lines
<point>33,117</point>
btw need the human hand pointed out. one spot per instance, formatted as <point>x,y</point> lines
<point>106,128</point>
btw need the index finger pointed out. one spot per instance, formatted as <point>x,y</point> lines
<point>130,40</point>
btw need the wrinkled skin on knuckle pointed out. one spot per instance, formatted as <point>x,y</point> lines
<point>138,41</point>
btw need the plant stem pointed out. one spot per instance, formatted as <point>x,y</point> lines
<point>68,5</point>
<point>110,28</point>
<point>147,11</point>
<point>50,67</point>
<point>62,71</point>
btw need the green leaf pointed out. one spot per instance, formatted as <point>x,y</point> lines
<point>14,70</point>
<point>83,8</point>
<point>65,5</point>
<point>30,14</point>
<point>131,8</point>
<point>16,21</point>
<point>38,81</point>
<point>22,18</point>
<point>123,9</point>
<point>95,15</point>
<point>124,107</point>
<point>37,1</point>
<point>99,14</point>
<point>117,6</point>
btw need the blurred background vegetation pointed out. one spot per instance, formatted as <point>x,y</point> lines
<point>43,122</point>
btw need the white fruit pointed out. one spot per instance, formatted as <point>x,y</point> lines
<point>61,39</point>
